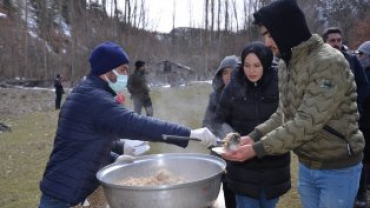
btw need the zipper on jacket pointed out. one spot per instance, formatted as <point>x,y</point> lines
<point>341,136</point>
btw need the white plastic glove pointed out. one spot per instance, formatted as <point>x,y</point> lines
<point>205,136</point>
<point>125,158</point>
<point>128,149</point>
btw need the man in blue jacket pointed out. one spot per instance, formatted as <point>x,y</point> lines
<point>89,121</point>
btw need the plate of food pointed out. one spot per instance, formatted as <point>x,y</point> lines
<point>229,143</point>
<point>219,150</point>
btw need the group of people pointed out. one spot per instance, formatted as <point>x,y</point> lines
<point>291,93</point>
<point>314,103</point>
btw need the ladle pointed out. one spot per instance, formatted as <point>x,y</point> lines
<point>231,141</point>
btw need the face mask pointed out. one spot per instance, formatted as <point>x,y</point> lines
<point>120,84</point>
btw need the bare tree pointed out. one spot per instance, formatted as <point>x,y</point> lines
<point>104,5</point>
<point>72,69</point>
<point>26,39</point>
<point>212,15</point>
<point>235,11</point>
<point>219,17</point>
<point>227,15</point>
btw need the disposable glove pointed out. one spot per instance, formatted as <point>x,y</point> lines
<point>125,158</point>
<point>205,136</point>
<point>128,149</point>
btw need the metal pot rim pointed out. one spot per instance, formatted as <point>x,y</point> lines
<point>217,160</point>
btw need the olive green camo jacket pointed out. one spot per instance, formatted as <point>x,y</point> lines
<point>317,115</point>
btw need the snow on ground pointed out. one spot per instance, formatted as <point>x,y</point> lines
<point>3,16</point>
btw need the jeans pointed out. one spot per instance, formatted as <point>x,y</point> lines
<point>247,202</point>
<point>332,188</point>
<point>49,202</point>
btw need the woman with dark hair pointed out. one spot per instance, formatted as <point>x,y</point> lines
<point>250,98</point>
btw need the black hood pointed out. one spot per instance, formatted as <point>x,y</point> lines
<point>265,56</point>
<point>286,23</point>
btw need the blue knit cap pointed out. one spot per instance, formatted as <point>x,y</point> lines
<point>106,57</point>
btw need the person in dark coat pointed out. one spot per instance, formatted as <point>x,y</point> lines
<point>250,99</point>
<point>363,54</point>
<point>220,80</point>
<point>90,120</point>
<point>137,85</point>
<point>333,36</point>
<point>59,91</point>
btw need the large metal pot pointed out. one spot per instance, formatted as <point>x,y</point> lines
<point>202,172</point>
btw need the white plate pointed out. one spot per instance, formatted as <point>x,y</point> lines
<point>218,150</point>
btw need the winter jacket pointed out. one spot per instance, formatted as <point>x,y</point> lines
<point>365,125</point>
<point>89,121</point>
<point>244,105</point>
<point>137,85</point>
<point>218,86</point>
<point>317,114</point>
<point>361,79</point>
<point>58,86</point>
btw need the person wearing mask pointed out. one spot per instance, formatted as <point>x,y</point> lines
<point>317,116</point>
<point>59,91</point>
<point>137,85</point>
<point>250,99</point>
<point>90,120</point>
<point>363,54</point>
<point>333,37</point>
<point>220,80</point>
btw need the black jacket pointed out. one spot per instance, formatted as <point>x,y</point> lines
<point>58,86</point>
<point>360,78</point>
<point>244,105</point>
<point>365,125</point>
<point>137,85</point>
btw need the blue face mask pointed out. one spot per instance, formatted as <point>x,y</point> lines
<point>120,84</point>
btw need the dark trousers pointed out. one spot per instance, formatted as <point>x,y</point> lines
<point>230,200</point>
<point>362,192</point>
<point>58,100</point>
<point>145,103</point>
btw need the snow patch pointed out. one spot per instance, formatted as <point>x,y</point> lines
<point>3,16</point>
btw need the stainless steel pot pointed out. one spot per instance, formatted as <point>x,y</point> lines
<point>202,172</point>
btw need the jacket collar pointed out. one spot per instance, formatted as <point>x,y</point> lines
<point>99,83</point>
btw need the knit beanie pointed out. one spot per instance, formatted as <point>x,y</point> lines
<point>286,24</point>
<point>139,64</point>
<point>106,57</point>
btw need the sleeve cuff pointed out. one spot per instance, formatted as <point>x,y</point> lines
<point>255,135</point>
<point>113,157</point>
<point>258,148</point>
